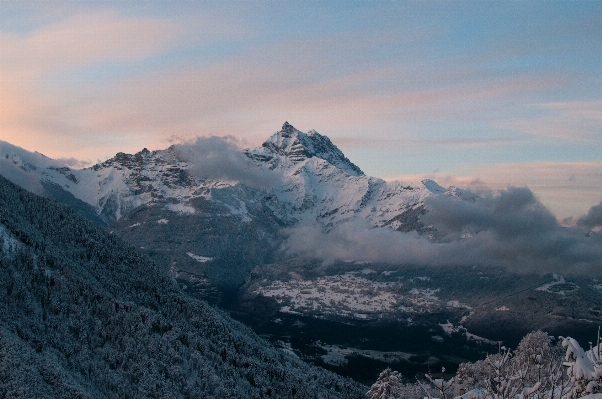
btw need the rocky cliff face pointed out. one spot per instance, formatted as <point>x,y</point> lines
<point>289,147</point>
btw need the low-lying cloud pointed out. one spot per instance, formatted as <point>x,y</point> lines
<point>511,229</point>
<point>222,158</point>
<point>593,219</point>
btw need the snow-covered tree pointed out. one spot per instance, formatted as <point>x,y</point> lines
<point>533,371</point>
<point>388,386</point>
<point>444,388</point>
<point>508,375</point>
<point>584,369</point>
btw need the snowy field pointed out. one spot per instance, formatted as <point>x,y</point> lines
<point>352,295</point>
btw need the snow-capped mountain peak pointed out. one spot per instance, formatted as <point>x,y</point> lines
<point>290,146</point>
<point>314,182</point>
<point>433,187</point>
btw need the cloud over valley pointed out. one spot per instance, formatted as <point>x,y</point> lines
<point>510,229</point>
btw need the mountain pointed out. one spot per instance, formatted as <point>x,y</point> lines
<point>43,176</point>
<point>178,203</point>
<point>318,183</point>
<point>349,271</point>
<point>290,146</point>
<point>85,315</point>
<point>314,181</point>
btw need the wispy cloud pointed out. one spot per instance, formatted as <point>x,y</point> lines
<point>249,91</point>
<point>42,93</point>
<point>331,81</point>
<point>222,158</point>
<point>566,120</point>
<point>81,40</point>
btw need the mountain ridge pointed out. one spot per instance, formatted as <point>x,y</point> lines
<point>196,198</point>
<point>317,182</point>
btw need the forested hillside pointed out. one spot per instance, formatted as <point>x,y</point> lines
<point>83,315</point>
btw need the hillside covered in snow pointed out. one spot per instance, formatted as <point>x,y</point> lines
<point>83,314</point>
<point>296,241</point>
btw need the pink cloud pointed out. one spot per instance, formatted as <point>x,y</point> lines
<point>220,98</point>
<point>566,120</point>
<point>312,83</point>
<point>39,108</point>
<point>82,40</point>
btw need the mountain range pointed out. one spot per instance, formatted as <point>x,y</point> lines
<point>294,178</point>
<point>296,241</point>
<point>303,176</point>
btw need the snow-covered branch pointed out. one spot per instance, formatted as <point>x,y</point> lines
<point>532,371</point>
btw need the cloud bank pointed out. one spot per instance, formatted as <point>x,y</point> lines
<point>593,219</point>
<point>511,229</point>
<point>567,189</point>
<point>222,158</point>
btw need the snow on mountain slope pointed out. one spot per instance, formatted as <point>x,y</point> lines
<point>116,186</point>
<point>290,146</point>
<point>316,183</point>
<point>21,166</point>
<point>320,184</point>
<point>125,182</point>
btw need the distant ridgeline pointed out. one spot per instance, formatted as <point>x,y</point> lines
<point>83,315</point>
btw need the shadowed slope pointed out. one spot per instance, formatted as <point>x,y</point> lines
<point>84,315</point>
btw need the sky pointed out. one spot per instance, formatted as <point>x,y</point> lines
<point>496,94</point>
